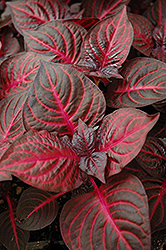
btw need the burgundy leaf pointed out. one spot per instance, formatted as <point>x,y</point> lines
<point>156,12</point>
<point>29,200</point>
<point>84,139</point>
<point>160,106</point>
<point>6,21</point>
<point>102,8</point>
<point>122,135</point>
<point>87,23</point>
<point>107,44</point>
<point>9,45</point>
<point>11,123</point>
<point>152,157</point>
<point>12,237</point>
<point>43,161</point>
<point>144,83</point>
<point>142,40</point>
<point>115,216</point>
<point>94,165</point>
<point>60,96</point>
<point>159,128</point>
<point>18,72</point>
<point>156,191</point>
<point>159,35</point>
<point>27,14</point>
<point>61,39</point>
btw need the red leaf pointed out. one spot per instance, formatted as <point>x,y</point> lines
<point>87,23</point>
<point>9,45</point>
<point>25,67</point>
<point>156,191</point>
<point>84,139</point>
<point>27,14</point>
<point>61,39</point>
<point>144,83</point>
<point>159,35</point>
<point>41,160</point>
<point>11,124</point>
<point>29,200</point>
<point>8,233</point>
<point>60,96</point>
<point>102,8</point>
<point>94,165</point>
<point>3,148</point>
<point>84,144</point>
<point>122,135</point>
<point>152,157</point>
<point>115,216</point>
<point>142,33</point>
<point>107,44</point>
<point>156,12</point>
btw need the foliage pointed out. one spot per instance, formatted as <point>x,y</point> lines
<point>57,133</point>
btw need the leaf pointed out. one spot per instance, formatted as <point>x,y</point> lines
<point>60,96</point>
<point>29,200</point>
<point>122,135</point>
<point>152,157</point>
<point>159,52</point>
<point>142,40</point>
<point>102,8</point>
<point>156,12</point>
<point>115,216</point>
<point>3,148</point>
<point>61,39</point>
<point>11,123</point>
<point>84,144</point>
<point>27,14</point>
<point>87,23</point>
<point>160,106</point>
<point>9,45</point>
<point>156,191</point>
<point>25,67</point>
<point>84,139</point>
<point>8,233</point>
<point>144,83</point>
<point>159,128</point>
<point>107,44</point>
<point>94,165</point>
<point>42,161</point>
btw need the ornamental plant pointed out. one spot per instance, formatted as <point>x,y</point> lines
<point>81,112</point>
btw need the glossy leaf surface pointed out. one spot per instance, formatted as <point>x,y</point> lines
<point>60,96</point>
<point>61,39</point>
<point>27,14</point>
<point>156,12</point>
<point>142,40</point>
<point>18,72</point>
<point>107,44</point>
<point>156,191</point>
<point>29,200</point>
<point>122,135</point>
<point>11,123</point>
<point>8,234</point>
<point>42,161</point>
<point>115,216</point>
<point>144,83</point>
<point>102,8</point>
<point>152,157</point>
